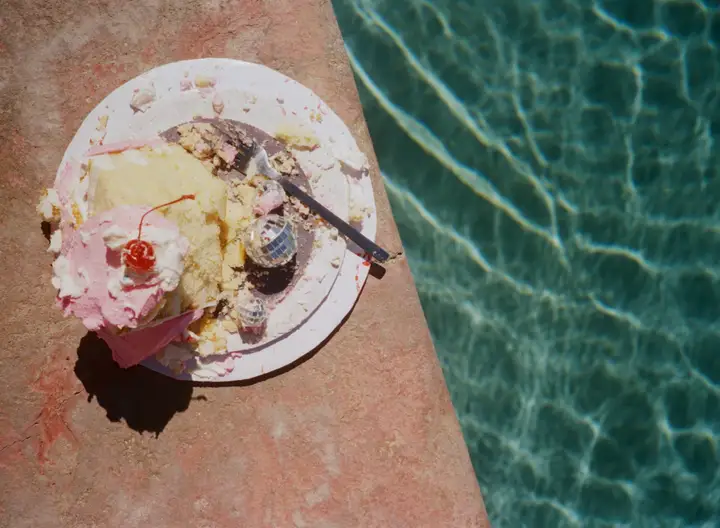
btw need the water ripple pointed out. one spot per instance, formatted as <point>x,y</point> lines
<point>552,166</point>
<point>434,147</point>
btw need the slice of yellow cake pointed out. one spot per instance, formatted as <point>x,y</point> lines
<point>238,217</point>
<point>155,176</point>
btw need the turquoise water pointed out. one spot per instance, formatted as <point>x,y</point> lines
<point>553,166</point>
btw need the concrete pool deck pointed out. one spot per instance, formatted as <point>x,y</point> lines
<point>360,434</point>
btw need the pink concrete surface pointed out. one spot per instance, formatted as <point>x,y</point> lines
<point>361,434</point>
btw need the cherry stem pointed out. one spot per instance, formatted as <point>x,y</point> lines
<point>142,218</point>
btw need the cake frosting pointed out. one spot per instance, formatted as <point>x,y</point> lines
<point>93,281</point>
<point>142,176</point>
<point>95,212</point>
<point>131,348</point>
<point>185,308</point>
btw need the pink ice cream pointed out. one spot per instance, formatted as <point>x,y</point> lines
<point>92,280</point>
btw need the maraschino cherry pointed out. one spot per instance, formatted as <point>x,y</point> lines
<point>139,255</point>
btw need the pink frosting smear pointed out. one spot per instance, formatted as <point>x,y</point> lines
<point>67,179</point>
<point>267,201</point>
<point>132,348</point>
<point>92,265</point>
<point>121,146</point>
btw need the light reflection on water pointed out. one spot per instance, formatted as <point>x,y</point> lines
<point>553,169</point>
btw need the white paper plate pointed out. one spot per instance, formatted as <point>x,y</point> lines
<point>264,98</point>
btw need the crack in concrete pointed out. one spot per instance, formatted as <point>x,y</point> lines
<point>20,441</point>
<point>395,256</point>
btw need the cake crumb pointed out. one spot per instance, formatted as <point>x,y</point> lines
<point>284,163</point>
<point>203,81</point>
<point>297,137</point>
<point>217,104</point>
<point>77,215</point>
<point>49,206</point>
<point>102,123</point>
<point>358,212</point>
<point>229,325</point>
<point>142,99</point>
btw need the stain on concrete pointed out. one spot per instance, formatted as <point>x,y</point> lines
<point>318,495</point>
<point>58,388</point>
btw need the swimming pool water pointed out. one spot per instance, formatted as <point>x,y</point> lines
<point>554,169</point>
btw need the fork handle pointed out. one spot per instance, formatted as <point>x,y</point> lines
<point>367,245</point>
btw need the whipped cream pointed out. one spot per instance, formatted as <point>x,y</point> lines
<point>174,357</point>
<point>68,282</point>
<point>170,251</point>
<point>49,207</point>
<point>180,358</point>
<point>93,281</point>
<point>67,202</point>
<point>211,368</point>
<point>55,242</point>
